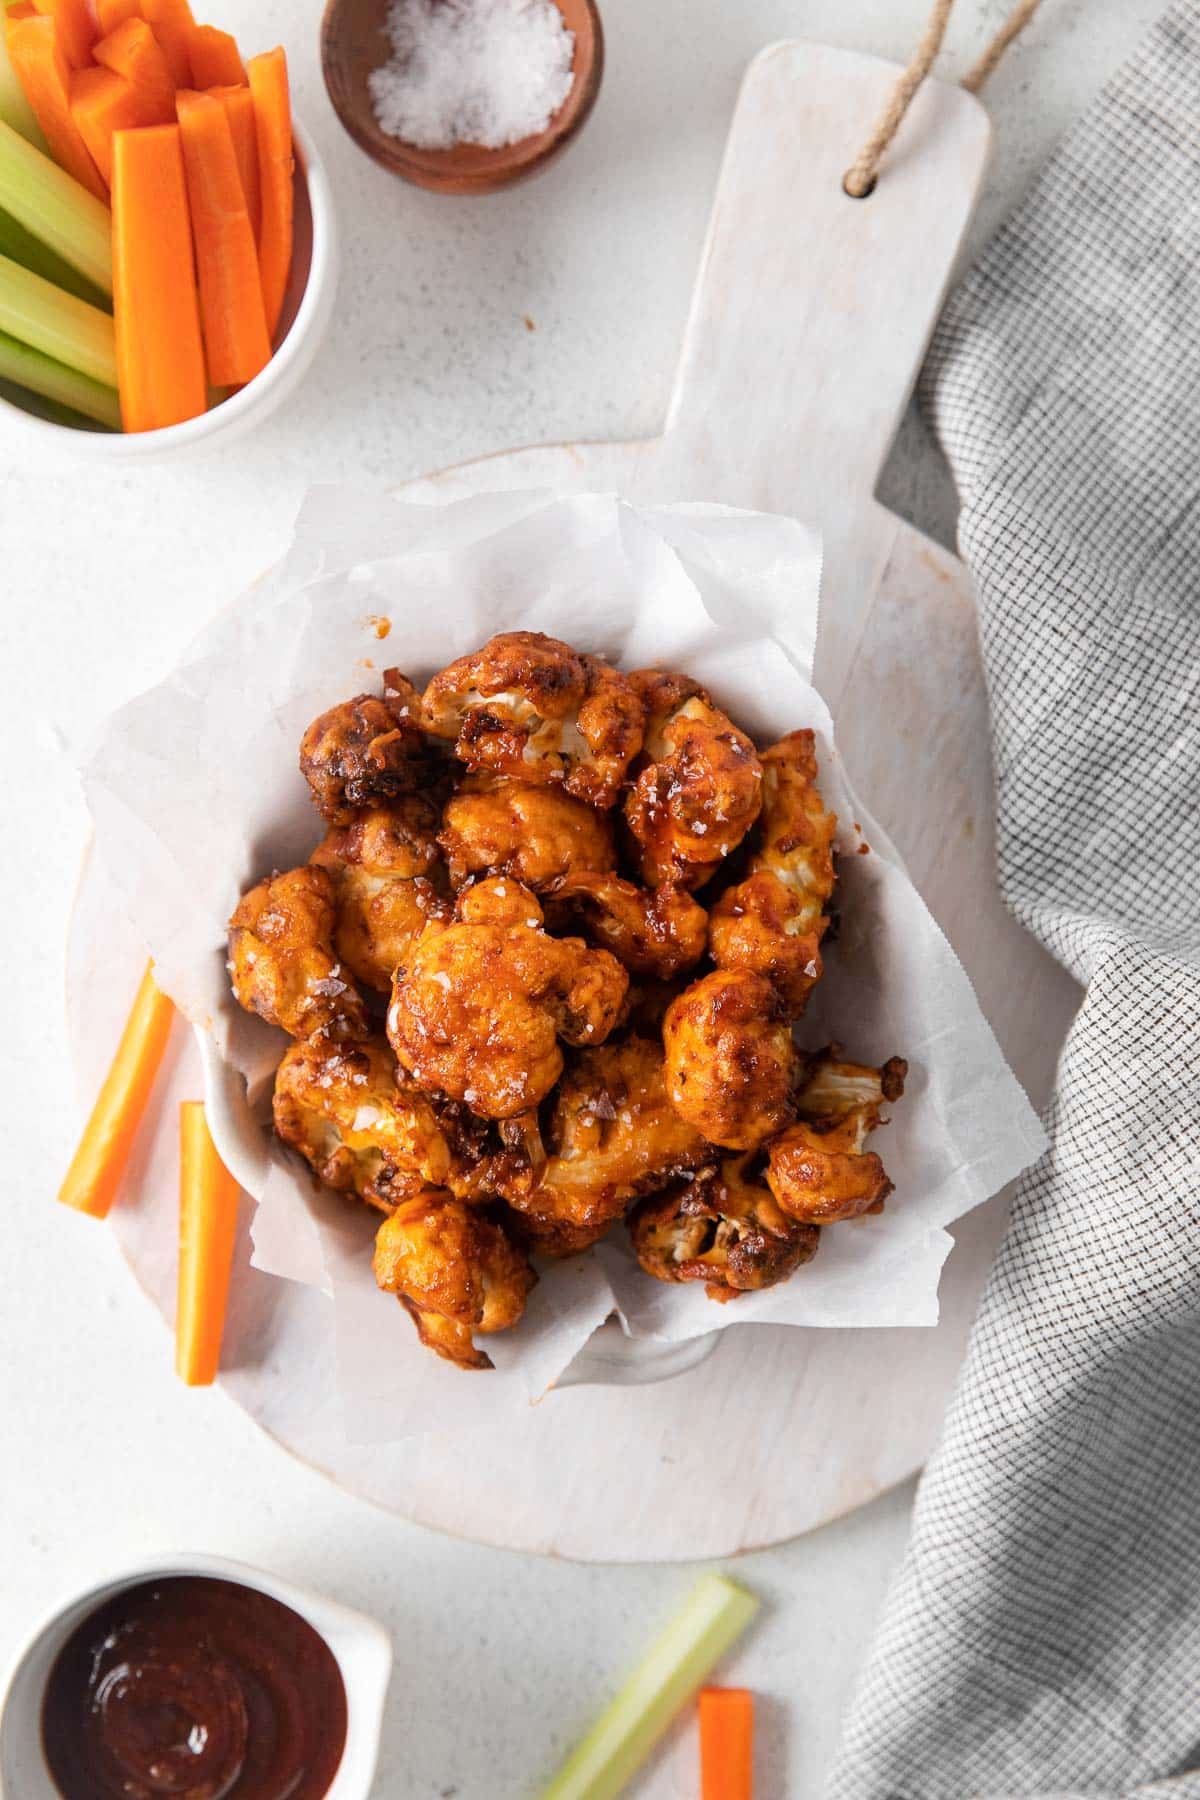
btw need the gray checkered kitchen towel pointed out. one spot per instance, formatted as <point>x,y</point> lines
<point>1044,1635</point>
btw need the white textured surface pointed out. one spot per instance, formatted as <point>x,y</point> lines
<point>500,1658</point>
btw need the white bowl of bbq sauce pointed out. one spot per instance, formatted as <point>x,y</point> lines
<point>210,1670</point>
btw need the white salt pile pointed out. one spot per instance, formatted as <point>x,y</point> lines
<point>487,72</point>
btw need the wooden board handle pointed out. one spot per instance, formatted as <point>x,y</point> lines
<point>813,310</point>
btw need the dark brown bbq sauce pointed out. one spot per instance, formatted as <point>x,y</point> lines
<point>200,1689</point>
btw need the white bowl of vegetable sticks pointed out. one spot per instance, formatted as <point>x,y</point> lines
<point>307,310</point>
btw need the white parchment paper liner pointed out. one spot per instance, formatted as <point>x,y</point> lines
<point>195,793</point>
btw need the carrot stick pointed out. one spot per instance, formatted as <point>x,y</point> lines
<point>99,1162</point>
<point>111,14</point>
<point>208,1210</point>
<point>103,103</point>
<point>160,357</point>
<point>239,110</point>
<point>273,130</point>
<point>215,58</point>
<point>133,52</point>
<point>726,1744</point>
<point>236,344</point>
<point>77,28</point>
<point>43,71</point>
<point>172,24</point>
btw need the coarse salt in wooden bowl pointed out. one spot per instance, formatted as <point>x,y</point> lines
<point>354,42</point>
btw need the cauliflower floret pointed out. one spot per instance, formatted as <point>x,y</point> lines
<point>819,1169</point>
<point>478,1009</point>
<point>282,962</point>
<point>366,751</point>
<point>494,826</point>
<point>528,705</point>
<point>611,1135</point>
<point>455,1273</point>
<point>381,866</point>
<point>341,1106</point>
<point>774,920</point>
<point>731,1064</point>
<point>722,1228</point>
<point>655,932</point>
<point>700,787</point>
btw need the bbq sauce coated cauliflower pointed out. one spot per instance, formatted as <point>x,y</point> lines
<point>774,920</point>
<point>384,867</point>
<point>282,962</point>
<point>454,1271</point>
<point>723,1228</point>
<point>537,834</point>
<point>479,1007</point>
<point>366,751</point>
<point>655,932</point>
<point>529,706</point>
<point>731,1065</point>
<point>611,1134</point>
<point>820,1170</point>
<point>698,789</point>
<point>341,1106</point>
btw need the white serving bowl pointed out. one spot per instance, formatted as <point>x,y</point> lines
<point>609,1359</point>
<point>307,310</point>
<point>361,1647</point>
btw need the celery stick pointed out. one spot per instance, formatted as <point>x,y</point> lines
<point>50,203</point>
<point>23,247</point>
<point>15,109</point>
<point>67,329</point>
<point>28,368</point>
<point>675,1667</point>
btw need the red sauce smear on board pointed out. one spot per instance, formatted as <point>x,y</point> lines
<point>196,1688</point>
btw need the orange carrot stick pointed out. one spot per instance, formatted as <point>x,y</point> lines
<point>208,1210</point>
<point>77,28</point>
<point>726,1744</point>
<point>236,344</point>
<point>172,24</point>
<point>273,130</point>
<point>103,103</point>
<point>215,58</point>
<point>239,110</point>
<point>113,13</point>
<point>133,52</point>
<point>160,357</point>
<point>43,71</point>
<point>99,1162</point>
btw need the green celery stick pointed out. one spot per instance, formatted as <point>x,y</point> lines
<point>15,109</point>
<point>675,1667</point>
<point>52,205</point>
<point>23,247</point>
<point>67,329</point>
<point>29,368</point>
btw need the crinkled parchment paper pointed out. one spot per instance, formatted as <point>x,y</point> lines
<point>195,793</point>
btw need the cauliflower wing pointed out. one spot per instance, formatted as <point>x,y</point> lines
<point>282,962</point>
<point>341,1106</point>
<point>537,834</point>
<point>479,1008</point>
<point>700,787</point>
<point>612,1135</point>
<point>774,920</point>
<point>528,705</point>
<point>366,751</point>
<point>381,867</point>
<point>731,1065</point>
<point>454,1271</point>
<point>819,1170</point>
<point>655,932</point>
<point>723,1228</point>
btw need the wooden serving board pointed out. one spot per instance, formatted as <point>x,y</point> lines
<point>810,319</point>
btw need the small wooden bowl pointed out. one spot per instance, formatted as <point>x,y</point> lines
<point>354,42</point>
